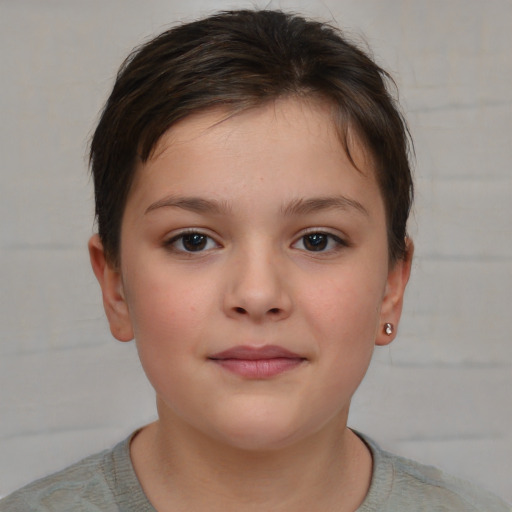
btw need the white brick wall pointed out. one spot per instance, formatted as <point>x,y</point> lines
<point>440,393</point>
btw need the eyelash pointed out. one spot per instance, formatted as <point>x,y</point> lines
<point>319,241</point>
<point>182,237</point>
<point>323,236</point>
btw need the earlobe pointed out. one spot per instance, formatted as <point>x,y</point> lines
<point>111,284</point>
<point>392,303</point>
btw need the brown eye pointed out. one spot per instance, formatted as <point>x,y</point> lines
<point>191,242</point>
<point>318,241</point>
<point>194,242</point>
<point>315,241</point>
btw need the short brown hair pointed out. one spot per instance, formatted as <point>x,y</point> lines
<point>238,60</point>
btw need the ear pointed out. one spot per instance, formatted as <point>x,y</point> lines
<point>392,303</point>
<point>112,290</point>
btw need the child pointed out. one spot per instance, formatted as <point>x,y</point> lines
<point>252,190</point>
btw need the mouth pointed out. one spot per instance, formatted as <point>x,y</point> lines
<point>257,362</point>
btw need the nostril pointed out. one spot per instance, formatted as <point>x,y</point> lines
<point>274,311</point>
<point>242,311</point>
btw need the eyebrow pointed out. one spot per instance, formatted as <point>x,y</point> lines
<point>194,204</point>
<point>297,207</point>
<point>305,206</point>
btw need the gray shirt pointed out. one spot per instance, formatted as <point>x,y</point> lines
<point>107,482</point>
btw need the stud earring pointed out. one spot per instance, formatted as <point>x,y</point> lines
<point>388,329</point>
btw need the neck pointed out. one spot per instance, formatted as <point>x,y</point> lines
<point>182,469</point>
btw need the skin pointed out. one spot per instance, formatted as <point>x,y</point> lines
<point>253,188</point>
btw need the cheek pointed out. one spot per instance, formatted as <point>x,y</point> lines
<point>347,308</point>
<point>168,316</point>
<point>167,335</point>
<point>345,319</point>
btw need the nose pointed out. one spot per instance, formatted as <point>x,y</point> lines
<point>258,288</point>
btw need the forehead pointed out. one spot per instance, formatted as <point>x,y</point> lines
<point>218,146</point>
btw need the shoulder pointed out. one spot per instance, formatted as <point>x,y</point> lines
<point>87,486</point>
<point>400,484</point>
<point>427,484</point>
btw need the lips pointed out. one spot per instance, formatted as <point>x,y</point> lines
<point>257,362</point>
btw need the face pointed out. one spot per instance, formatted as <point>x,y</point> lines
<point>254,274</point>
